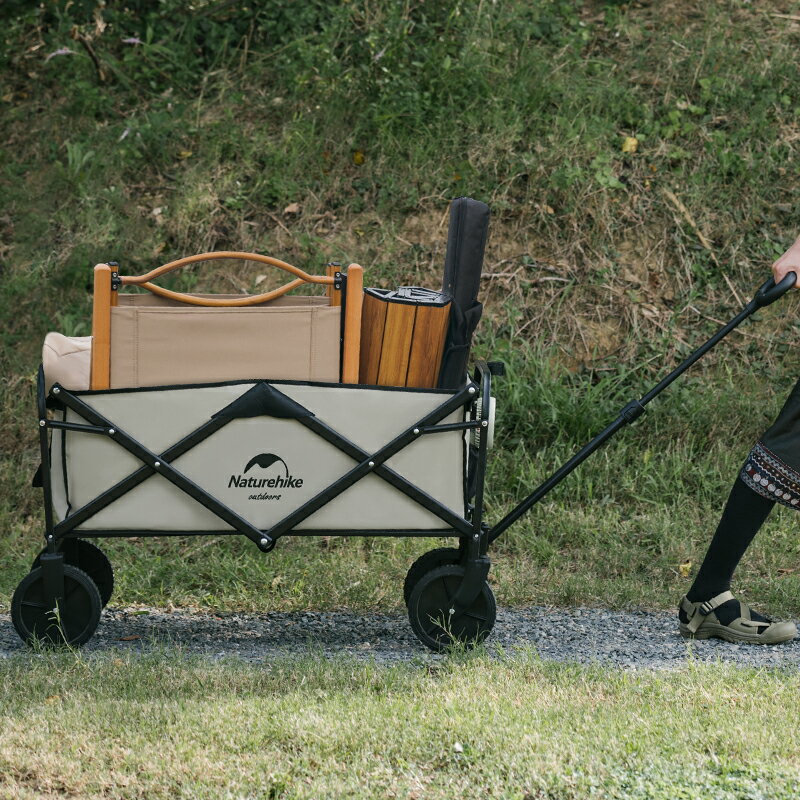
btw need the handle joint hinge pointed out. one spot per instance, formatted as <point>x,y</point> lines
<point>116,281</point>
<point>632,411</point>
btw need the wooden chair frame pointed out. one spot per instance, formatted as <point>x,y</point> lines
<point>108,281</point>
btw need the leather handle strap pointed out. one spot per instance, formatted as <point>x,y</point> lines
<point>145,281</point>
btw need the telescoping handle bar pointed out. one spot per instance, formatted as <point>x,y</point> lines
<point>766,294</point>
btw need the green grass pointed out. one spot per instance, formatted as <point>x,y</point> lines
<point>372,116</point>
<point>517,728</point>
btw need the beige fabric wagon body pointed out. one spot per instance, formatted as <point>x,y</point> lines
<point>298,464</point>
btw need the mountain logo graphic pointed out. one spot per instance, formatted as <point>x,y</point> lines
<point>265,460</point>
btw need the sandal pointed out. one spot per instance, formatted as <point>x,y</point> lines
<point>702,623</point>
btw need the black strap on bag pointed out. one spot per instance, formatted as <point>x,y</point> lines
<point>466,243</point>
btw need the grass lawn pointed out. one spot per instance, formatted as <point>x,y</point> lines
<point>163,726</point>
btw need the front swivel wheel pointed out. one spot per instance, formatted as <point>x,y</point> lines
<point>435,620</point>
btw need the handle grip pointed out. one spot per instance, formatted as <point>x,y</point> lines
<point>769,291</point>
<point>302,277</point>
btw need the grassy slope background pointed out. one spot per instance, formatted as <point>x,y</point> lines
<point>181,132</point>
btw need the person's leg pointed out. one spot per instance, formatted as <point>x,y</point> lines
<point>771,474</point>
<point>709,609</point>
<point>741,519</point>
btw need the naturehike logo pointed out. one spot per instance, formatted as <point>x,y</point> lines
<point>265,460</point>
<point>254,481</point>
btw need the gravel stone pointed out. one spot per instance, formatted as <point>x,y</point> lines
<point>629,639</point>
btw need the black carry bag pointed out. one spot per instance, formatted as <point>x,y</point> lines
<point>466,242</point>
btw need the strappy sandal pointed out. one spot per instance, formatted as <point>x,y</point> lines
<point>703,623</point>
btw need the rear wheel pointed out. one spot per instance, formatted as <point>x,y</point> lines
<point>71,622</point>
<point>92,560</point>
<point>437,623</point>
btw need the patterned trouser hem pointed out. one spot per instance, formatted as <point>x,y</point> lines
<point>766,474</point>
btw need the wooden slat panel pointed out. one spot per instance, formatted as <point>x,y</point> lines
<point>373,322</point>
<point>101,327</point>
<point>351,347</point>
<point>427,345</point>
<point>396,344</point>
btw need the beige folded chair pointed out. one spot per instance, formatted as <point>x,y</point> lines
<point>166,338</point>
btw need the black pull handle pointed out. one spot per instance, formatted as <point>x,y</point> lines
<point>769,292</point>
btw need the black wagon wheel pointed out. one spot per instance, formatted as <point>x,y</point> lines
<point>434,620</point>
<point>73,621</point>
<point>425,563</point>
<point>92,560</point>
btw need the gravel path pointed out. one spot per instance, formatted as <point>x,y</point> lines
<point>628,639</point>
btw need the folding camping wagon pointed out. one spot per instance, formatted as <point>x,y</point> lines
<point>188,414</point>
<point>159,424</point>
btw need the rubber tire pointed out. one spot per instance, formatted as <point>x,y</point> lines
<point>88,557</point>
<point>425,563</point>
<point>430,600</point>
<point>79,610</point>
